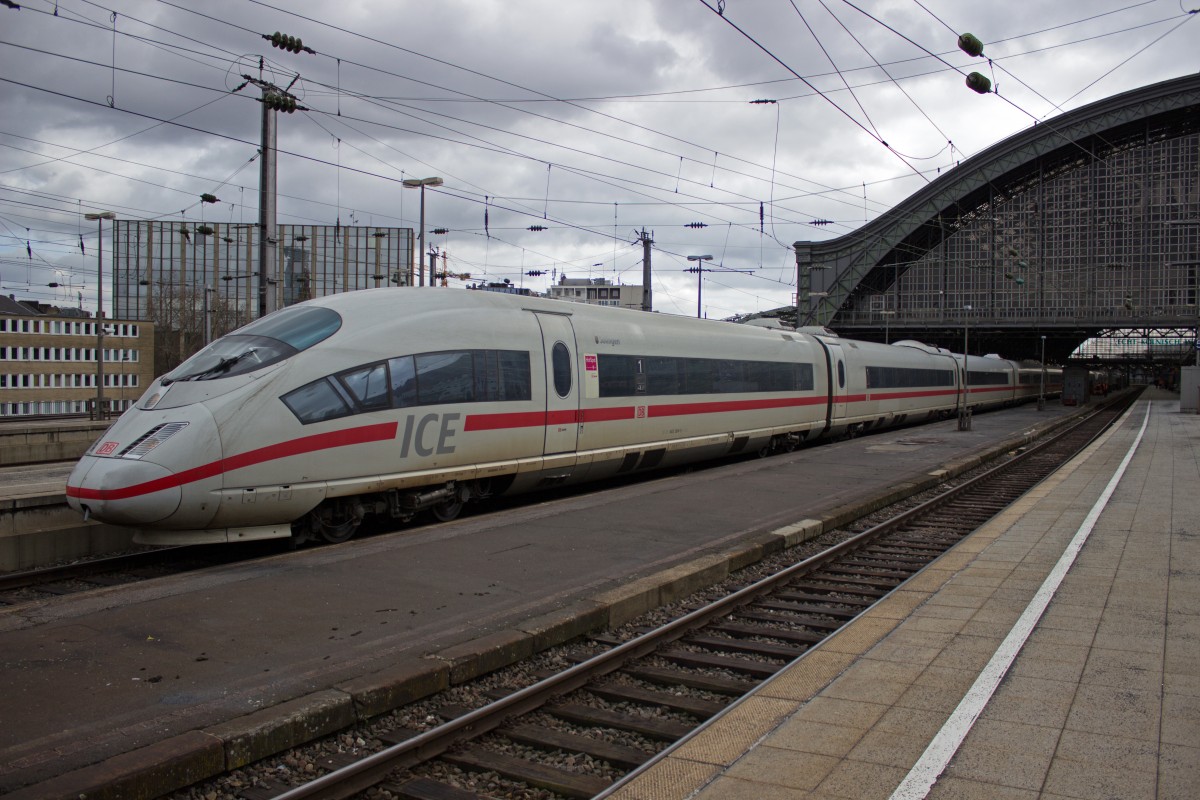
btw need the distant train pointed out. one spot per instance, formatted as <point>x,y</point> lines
<point>397,401</point>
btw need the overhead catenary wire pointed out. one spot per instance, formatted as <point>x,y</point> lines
<point>546,198</point>
<point>209,88</point>
<point>783,64</point>
<point>703,148</point>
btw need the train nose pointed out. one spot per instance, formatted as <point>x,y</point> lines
<point>123,492</point>
<point>141,470</point>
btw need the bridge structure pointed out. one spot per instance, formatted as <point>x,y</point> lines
<point>1082,227</point>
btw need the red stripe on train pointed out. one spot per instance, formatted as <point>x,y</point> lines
<point>474,422</point>
<point>308,444</point>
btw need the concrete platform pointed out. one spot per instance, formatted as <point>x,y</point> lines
<point>145,688</point>
<point>26,442</point>
<point>1004,669</point>
<point>37,527</point>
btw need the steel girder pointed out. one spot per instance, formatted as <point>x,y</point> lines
<point>828,271</point>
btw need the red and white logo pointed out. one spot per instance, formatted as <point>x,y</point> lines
<point>640,413</point>
<point>106,448</point>
<point>589,363</point>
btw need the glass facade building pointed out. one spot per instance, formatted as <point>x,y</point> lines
<point>171,272</point>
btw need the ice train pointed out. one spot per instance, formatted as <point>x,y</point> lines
<point>398,401</point>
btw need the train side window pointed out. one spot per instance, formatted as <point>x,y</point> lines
<point>515,381</point>
<point>841,374</point>
<point>445,377</point>
<point>487,376</point>
<point>404,381</point>
<point>560,359</point>
<point>662,375</point>
<point>368,386</point>
<point>317,401</point>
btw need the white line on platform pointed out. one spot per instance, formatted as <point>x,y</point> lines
<point>945,744</point>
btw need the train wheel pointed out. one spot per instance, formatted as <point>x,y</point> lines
<point>336,534</point>
<point>447,511</point>
<point>336,524</point>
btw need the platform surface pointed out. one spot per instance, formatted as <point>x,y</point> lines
<point>913,700</point>
<point>35,480</point>
<point>91,677</point>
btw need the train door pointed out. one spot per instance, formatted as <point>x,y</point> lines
<point>837,381</point>
<point>562,390</point>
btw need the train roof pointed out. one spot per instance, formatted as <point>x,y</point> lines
<point>928,348</point>
<point>368,307</point>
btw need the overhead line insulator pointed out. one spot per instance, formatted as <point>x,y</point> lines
<point>280,102</point>
<point>969,43</point>
<point>977,82</point>
<point>292,44</point>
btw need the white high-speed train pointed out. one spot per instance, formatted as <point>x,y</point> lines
<point>395,401</point>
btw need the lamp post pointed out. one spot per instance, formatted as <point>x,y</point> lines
<point>1042,388</point>
<point>413,183</point>
<point>699,270</point>
<point>99,217</point>
<point>964,411</point>
<point>207,316</point>
<point>887,315</point>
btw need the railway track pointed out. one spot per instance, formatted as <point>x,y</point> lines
<point>21,587</point>
<point>660,686</point>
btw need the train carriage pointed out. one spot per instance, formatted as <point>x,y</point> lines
<point>397,401</point>
<point>904,382</point>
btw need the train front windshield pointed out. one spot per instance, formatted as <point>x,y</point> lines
<point>261,343</point>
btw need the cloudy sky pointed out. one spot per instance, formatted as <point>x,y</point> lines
<point>592,119</point>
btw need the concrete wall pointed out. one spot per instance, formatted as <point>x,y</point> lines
<point>1189,390</point>
<point>39,530</point>
<point>26,443</point>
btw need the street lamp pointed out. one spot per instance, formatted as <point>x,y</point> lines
<point>964,411</point>
<point>99,217</point>
<point>413,183</point>
<point>1042,389</point>
<point>699,270</point>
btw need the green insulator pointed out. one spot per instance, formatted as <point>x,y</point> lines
<point>969,43</point>
<point>979,83</point>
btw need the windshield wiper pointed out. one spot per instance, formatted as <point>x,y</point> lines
<point>221,366</point>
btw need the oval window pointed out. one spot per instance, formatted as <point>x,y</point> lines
<point>560,359</point>
<point>841,375</point>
